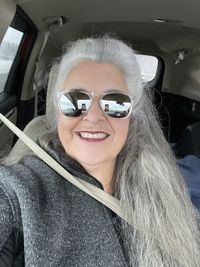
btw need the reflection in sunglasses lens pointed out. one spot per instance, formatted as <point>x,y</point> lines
<point>116,105</point>
<point>73,104</point>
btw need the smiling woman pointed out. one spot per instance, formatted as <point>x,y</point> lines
<point>95,138</point>
<point>123,153</point>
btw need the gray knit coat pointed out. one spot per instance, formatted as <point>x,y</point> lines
<point>60,224</point>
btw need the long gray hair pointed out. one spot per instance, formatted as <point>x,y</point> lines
<point>151,190</point>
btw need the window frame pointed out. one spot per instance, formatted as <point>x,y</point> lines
<point>10,96</point>
<point>16,74</point>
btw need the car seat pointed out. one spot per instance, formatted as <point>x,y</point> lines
<point>39,125</point>
<point>189,142</point>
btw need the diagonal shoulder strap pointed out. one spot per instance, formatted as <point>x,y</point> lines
<point>95,192</point>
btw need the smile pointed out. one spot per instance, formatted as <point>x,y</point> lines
<point>92,136</point>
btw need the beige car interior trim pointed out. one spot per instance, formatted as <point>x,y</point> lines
<point>44,51</point>
<point>27,88</point>
<point>7,12</point>
<point>36,127</point>
<point>181,12</point>
<point>36,86</point>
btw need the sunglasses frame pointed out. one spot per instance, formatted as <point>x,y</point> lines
<point>91,96</point>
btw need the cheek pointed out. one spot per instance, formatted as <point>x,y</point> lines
<point>121,128</point>
<point>65,129</point>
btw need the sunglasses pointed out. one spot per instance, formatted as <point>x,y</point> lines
<point>76,102</point>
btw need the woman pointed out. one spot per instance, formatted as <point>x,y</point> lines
<point>103,130</point>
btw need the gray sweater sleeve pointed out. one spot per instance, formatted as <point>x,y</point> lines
<point>6,218</point>
<point>9,207</point>
<point>11,238</point>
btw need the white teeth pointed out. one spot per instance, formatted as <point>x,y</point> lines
<point>92,136</point>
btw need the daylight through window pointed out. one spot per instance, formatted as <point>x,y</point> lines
<point>8,50</point>
<point>148,67</point>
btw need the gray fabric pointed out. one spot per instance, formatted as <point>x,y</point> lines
<point>62,226</point>
<point>12,253</point>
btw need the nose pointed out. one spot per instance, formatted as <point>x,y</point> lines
<point>95,113</point>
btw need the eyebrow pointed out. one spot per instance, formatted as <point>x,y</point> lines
<point>114,90</point>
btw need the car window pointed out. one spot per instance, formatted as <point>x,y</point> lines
<point>8,50</point>
<point>148,67</point>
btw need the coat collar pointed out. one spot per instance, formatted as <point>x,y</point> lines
<point>56,150</point>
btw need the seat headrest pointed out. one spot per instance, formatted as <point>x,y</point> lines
<point>189,142</point>
<point>39,125</point>
<point>51,115</point>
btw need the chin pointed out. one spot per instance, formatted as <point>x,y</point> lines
<point>88,161</point>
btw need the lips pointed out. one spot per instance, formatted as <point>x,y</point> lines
<point>92,136</point>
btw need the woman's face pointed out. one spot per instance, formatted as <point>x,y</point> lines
<point>93,139</point>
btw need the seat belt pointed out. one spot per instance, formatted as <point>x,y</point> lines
<point>95,192</point>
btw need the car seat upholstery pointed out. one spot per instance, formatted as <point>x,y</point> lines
<point>189,142</point>
<point>39,125</point>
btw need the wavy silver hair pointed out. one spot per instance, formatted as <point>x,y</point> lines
<point>151,190</point>
<point>100,50</point>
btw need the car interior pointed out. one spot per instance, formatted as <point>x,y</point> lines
<point>33,34</point>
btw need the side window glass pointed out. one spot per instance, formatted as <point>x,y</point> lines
<point>8,50</point>
<point>148,67</point>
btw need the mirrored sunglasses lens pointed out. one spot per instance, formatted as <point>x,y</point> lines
<point>74,104</point>
<point>116,105</point>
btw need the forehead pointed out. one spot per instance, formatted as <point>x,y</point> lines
<point>93,76</point>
